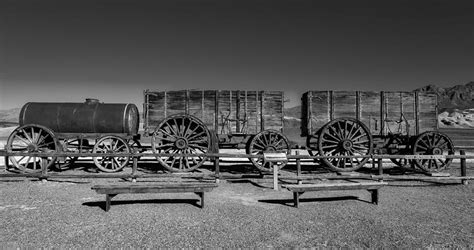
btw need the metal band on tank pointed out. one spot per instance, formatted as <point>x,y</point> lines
<point>125,118</point>
<point>22,113</point>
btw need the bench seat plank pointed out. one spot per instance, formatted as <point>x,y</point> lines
<point>153,188</point>
<point>112,190</point>
<point>299,189</point>
<point>334,186</point>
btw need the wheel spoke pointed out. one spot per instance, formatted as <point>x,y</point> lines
<point>164,145</point>
<point>330,141</point>
<point>358,137</point>
<point>436,164</point>
<point>421,147</point>
<point>186,161</point>
<point>444,145</point>
<point>192,131</point>
<point>166,133</point>
<point>33,135</point>
<point>349,134</point>
<point>329,146</point>
<point>196,135</point>
<point>260,140</point>
<point>186,128</point>
<point>334,133</point>
<point>424,143</point>
<point>22,139</point>
<point>171,128</point>
<point>340,131</point>
<point>40,139</point>
<point>27,136</point>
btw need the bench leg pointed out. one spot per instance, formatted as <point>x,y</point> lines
<point>108,199</point>
<point>201,195</point>
<point>375,196</point>
<point>296,198</point>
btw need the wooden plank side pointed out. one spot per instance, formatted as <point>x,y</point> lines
<point>344,104</point>
<point>427,107</point>
<point>272,106</point>
<point>176,102</point>
<point>156,108</point>
<point>195,103</point>
<point>251,114</point>
<point>319,104</point>
<point>209,111</point>
<point>370,110</point>
<point>226,111</point>
<point>392,112</point>
<point>409,117</point>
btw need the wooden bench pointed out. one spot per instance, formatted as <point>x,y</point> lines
<point>112,190</point>
<point>299,189</point>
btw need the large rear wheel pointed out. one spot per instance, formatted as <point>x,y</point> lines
<point>181,134</point>
<point>31,139</point>
<point>345,137</point>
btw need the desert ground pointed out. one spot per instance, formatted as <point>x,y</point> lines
<point>240,212</point>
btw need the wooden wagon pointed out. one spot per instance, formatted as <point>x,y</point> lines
<point>196,122</point>
<point>348,123</point>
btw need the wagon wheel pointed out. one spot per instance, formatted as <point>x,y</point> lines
<point>433,143</point>
<point>181,134</point>
<point>398,140</point>
<point>345,137</point>
<point>31,139</point>
<point>70,146</point>
<point>111,144</point>
<point>268,141</point>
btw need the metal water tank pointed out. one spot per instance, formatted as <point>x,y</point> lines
<point>89,117</point>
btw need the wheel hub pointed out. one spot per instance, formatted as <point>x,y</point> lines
<point>347,145</point>
<point>437,151</point>
<point>270,149</point>
<point>181,143</point>
<point>32,148</point>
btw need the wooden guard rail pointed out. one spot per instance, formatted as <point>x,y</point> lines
<point>216,158</point>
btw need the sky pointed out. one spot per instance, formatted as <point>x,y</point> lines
<point>66,51</point>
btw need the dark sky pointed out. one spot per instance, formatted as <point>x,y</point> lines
<point>113,50</point>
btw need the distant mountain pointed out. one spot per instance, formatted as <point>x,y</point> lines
<point>9,116</point>
<point>458,97</point>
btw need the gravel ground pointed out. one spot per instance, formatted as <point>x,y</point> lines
<point>245,213</point>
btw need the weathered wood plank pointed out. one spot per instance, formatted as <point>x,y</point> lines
<point>370,108</point>
<point>334,186</point>
<point>225,111</point>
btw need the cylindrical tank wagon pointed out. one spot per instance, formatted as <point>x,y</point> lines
<point>74,127</point>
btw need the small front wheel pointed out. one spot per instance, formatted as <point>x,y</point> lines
<point>268,141</point>
<point>111,144</point>
<point>433,143</point>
